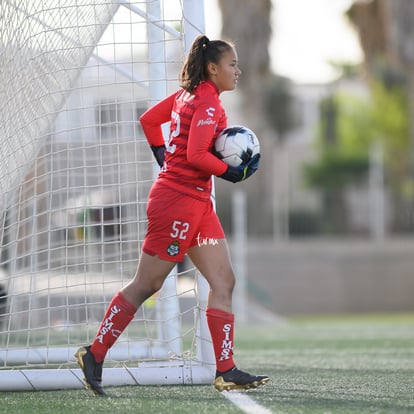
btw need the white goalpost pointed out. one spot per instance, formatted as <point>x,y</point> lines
<point>74,177</point>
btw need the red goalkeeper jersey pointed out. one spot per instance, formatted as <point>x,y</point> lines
<point>195,122</point>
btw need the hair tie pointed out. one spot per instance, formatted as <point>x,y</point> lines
<point>205,43</point>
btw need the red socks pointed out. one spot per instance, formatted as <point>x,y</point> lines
<point>117,317</point>
<point>120,313</point>
<point>221,325</point>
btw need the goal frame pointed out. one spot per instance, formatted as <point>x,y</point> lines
<point>176,370</point>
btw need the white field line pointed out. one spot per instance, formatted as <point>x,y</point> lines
<point>245,403</point>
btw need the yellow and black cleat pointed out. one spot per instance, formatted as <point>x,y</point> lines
<point>91,369</point>
<point>236,379</point>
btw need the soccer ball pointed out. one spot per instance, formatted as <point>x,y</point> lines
<point>236,145</point>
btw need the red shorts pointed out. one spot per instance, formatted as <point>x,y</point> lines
<point>176,222</point>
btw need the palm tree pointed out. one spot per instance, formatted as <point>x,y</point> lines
<point>248,24</point>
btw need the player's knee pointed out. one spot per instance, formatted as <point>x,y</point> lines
<point>228,284</point>
<point>230,280</point>
<point>149,289</point>
<point>143,288</point>
<point>224,286</point>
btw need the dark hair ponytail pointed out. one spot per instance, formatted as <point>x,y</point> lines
<point>201,53</point>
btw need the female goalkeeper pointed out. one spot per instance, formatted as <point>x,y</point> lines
<point>180,212</point>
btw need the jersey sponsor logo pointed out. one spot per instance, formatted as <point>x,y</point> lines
<point>174,248</point>
<point>210,113</point>
<point>207,121</point>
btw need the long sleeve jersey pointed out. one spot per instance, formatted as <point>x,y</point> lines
<point>196,119</point>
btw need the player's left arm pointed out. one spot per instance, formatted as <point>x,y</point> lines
<point>243,171</point>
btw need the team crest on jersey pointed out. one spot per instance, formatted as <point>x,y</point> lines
<point>174,248</point>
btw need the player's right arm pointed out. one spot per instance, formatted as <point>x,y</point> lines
<point>151,121</point>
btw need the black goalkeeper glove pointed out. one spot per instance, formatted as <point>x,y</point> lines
<point>243,171</point>
<point>159,153</point>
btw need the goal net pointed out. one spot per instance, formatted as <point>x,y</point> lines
<point>74,178</point>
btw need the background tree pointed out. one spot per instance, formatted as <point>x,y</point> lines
<point>264,101</point>
<point>344,147</point>
<point>386,32</point>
